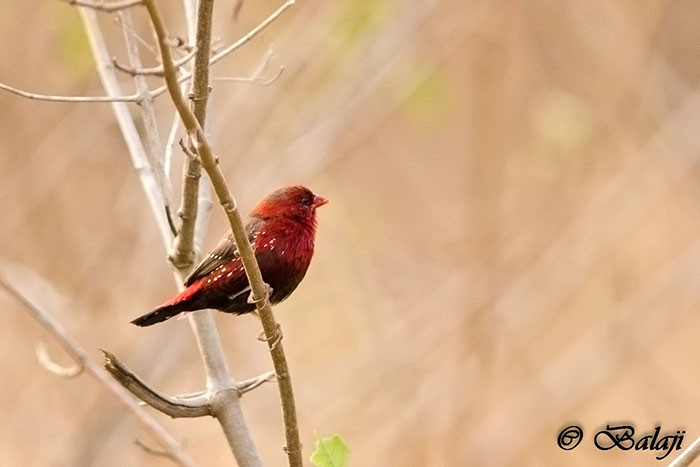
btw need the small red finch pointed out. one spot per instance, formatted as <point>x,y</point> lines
<point>281,230</point>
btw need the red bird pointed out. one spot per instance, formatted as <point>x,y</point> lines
<point>281,230</point>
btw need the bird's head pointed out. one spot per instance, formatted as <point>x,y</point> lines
<point>294,202</point>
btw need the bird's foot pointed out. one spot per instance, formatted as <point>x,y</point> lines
<point>254,301</point>
<point>276,338</point>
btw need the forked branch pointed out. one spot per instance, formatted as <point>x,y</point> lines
<point>258,287</point>
<point>175,408</point>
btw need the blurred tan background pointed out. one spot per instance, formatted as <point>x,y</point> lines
<point>512,244</point>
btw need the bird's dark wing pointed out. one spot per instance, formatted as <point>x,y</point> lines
<point>224,252</point>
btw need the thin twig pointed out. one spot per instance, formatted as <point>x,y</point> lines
<point>73,99</point>
<point>188,152</point>
<point>242,387</point>
<point>223,395</point>
<point>248,385</point>
<point>153,50</point>
<point>250,79</point>
<point>259,288</point>
<point>242,41</point>
<point>155,92</point>
<point>105,6</point>
<point>79,355</point>
<point>253,32</point>
<point>152,71</point>
<point>256,76</point>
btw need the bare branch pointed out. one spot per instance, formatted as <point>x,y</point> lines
<point>247,385</point>
<point>236,45</point>
<point>183,253</point>
<point>79,355</point>
<point>74,99</point>
<point>158,70</point>
<point>105,6</point>
<point>252,383</point>
<point>256,76</point>
<point>153,71</point>
<point>42,355</point>
<point>250,79</point>
<point>175,408</point>
<point>153,50</point>
<point>258,287</point>
<point>253,32</point>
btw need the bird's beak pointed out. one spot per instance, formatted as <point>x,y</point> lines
<point>319,201</point>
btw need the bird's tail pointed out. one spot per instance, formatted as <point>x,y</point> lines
<point>175,306</point>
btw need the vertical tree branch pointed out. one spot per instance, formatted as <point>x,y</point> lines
<point>258,287</point>
<point>225,402</point>
<point>224,398</point>
<point>183,249</point>
<point>183,253</point>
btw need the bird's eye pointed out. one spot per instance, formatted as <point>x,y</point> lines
<point>306,202</point>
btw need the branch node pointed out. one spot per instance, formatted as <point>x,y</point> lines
<point>188,152</point>
<point>252,383</point>
<point>173,42</point>
<point>169,406</point>
<point>194,98</point>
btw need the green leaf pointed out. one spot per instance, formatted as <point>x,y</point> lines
<point>330,452</point>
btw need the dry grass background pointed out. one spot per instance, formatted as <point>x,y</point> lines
<point>512,242</point>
